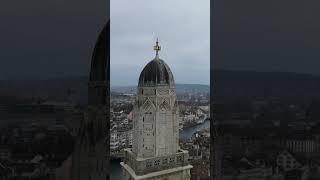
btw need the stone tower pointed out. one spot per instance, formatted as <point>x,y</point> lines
<point>155,153</point>
<point>90,160</point>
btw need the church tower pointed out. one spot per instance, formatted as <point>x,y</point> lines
<point>155,153</point>
<point>90,160</point>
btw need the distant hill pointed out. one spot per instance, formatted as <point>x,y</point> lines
<point>227,84</point>
<point>60,88</point>
<point>56,88</point>
<point>180,88</point>
<point>249,84</point>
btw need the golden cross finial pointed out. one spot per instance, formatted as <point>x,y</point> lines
<point>157,48</point>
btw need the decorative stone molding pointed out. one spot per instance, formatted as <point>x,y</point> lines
<point>148,165</point>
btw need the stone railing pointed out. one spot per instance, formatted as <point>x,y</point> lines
<point>147,165</point>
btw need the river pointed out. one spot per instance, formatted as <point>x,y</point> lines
<point>185,134</point>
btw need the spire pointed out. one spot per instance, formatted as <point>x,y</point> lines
<point>157,48</point>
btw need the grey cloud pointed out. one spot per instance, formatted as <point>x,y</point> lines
<point>183,29</point>
<point>48,38</point>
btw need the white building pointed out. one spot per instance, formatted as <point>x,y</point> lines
<point>155,153</point>
<point>287,161</point>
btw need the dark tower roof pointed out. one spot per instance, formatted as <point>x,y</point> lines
<point>100,58</point>
<point>156,73</point>
<point>100,69</point>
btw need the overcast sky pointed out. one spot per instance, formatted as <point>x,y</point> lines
<point>40,39</point>
<point>183,29</point>
<point>267,35</point>
<point>54,38</point>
